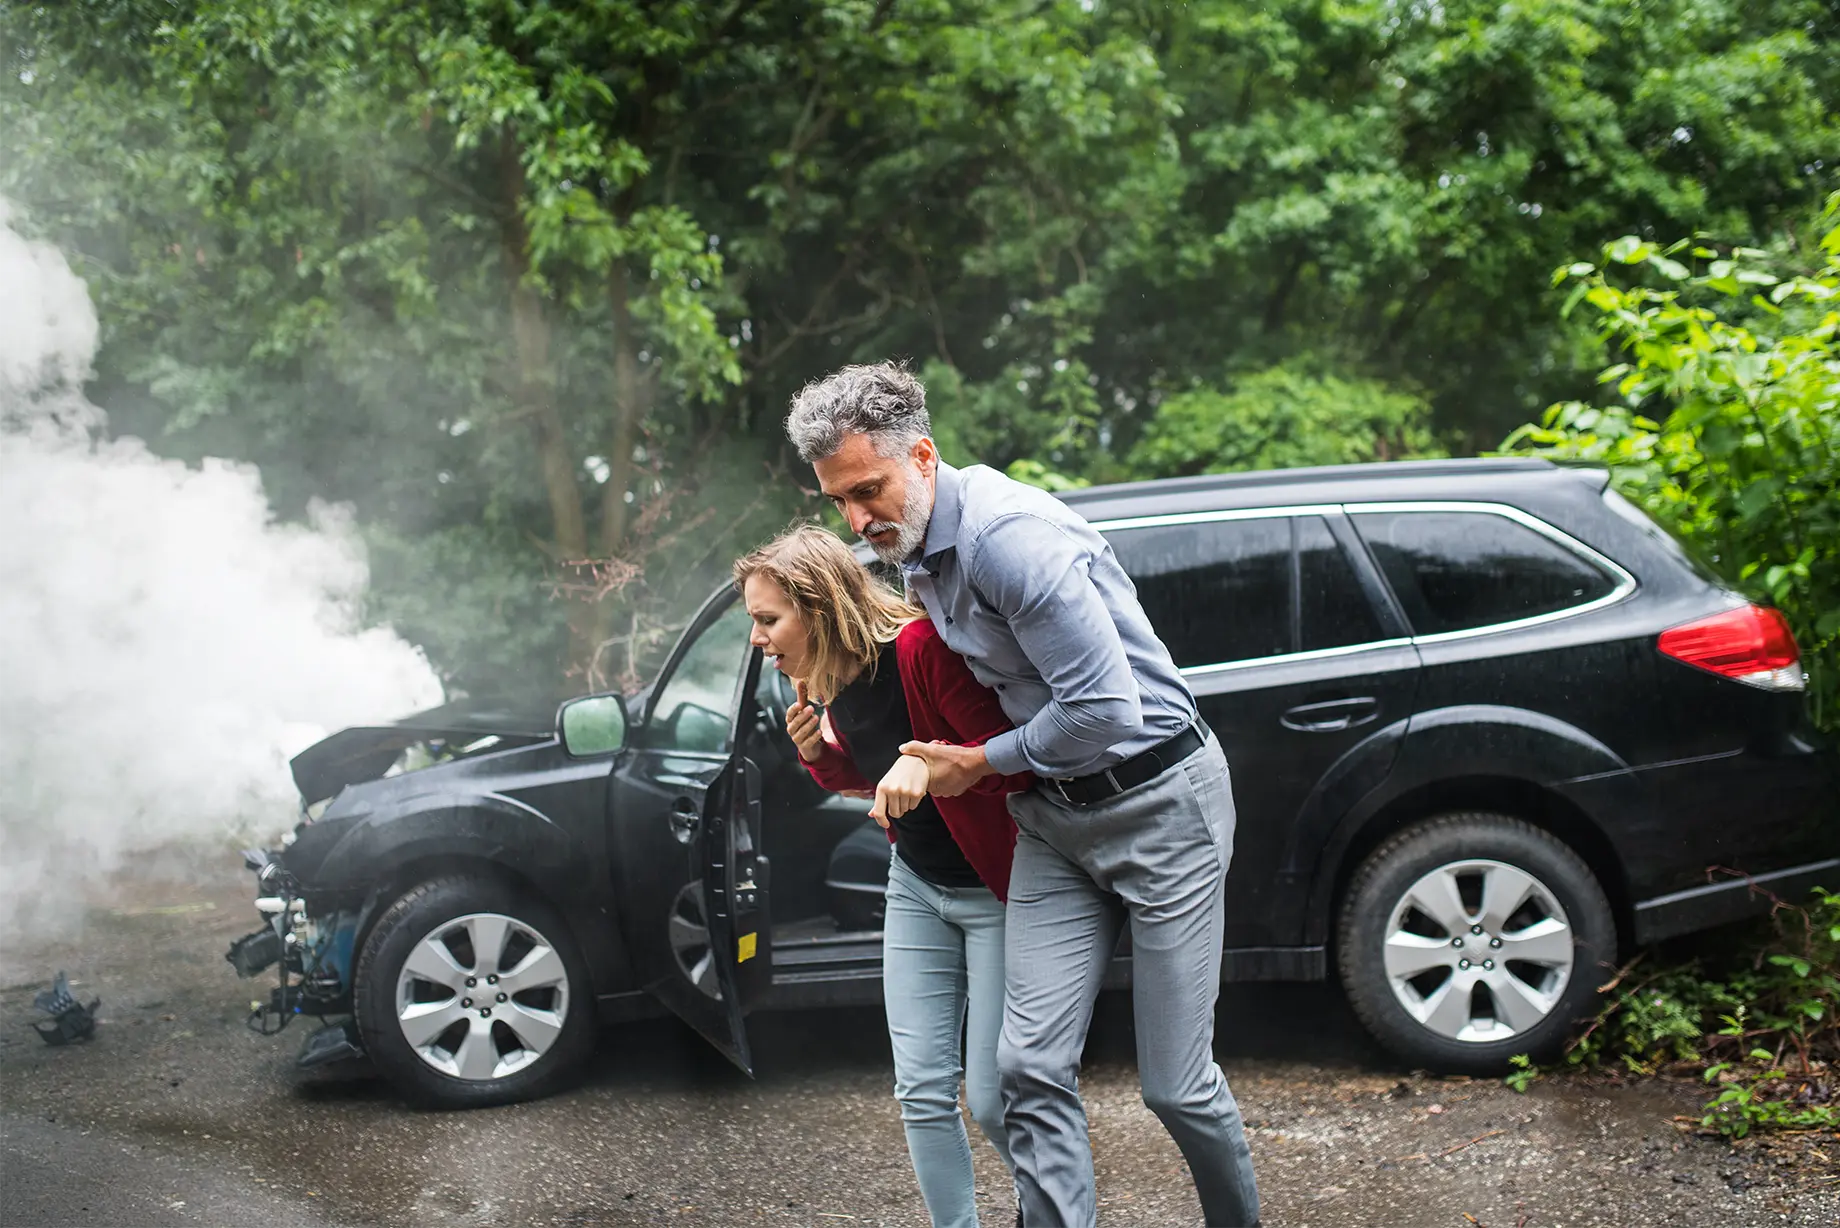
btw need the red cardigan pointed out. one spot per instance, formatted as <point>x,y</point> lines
<point>945,703</point>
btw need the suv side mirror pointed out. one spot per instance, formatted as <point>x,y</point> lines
<point>595,725</point>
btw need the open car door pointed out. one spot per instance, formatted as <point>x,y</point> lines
<point>690,883</point>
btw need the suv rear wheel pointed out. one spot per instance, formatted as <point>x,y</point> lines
<point>1473,937</point>
<point>470,993</point>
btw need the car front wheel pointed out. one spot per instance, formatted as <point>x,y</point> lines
<point>1471,938</point>
<point>470,993</point>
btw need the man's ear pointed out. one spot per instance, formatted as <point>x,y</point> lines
<point>926,455</point>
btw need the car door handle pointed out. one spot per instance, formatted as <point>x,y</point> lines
<point>1331,715</point>
<point>684,817</point>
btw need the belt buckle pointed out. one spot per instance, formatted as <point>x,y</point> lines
<point>1060,787</point>
<point>1112,781</point>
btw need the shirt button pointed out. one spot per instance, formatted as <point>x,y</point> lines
<point>948,620</point>
<point>999,686</point>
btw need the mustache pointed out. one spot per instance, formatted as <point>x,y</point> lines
<point>879,526</point>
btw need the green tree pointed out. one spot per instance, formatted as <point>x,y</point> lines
<point>1281,418</point>
<point>1723,418</point>
<point>530,283</point>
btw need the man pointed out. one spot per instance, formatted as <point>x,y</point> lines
<point>1133,820</point>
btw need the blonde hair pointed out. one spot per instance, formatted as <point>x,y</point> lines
<point>847,612</point>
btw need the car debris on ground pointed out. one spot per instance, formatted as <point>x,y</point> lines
<point>70,1019</point>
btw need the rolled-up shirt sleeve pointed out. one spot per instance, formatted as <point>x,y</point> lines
<point>1037,577</point>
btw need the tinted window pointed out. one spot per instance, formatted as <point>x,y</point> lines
<point>693,707</point>
<point>1333,611</point>
<point>1214,592</point>
<point>1456,570</point>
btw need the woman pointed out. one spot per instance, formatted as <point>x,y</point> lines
<point>887,678</point>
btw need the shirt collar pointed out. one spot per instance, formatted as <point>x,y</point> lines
<point>948,508</point>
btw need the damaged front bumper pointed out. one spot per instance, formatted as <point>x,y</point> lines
<point>312,950</point>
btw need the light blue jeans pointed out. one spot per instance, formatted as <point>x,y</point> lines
<point>942,981</point>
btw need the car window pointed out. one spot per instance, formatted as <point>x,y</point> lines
<point>694,707</point>
<point>1215,592</point>
<point>1333,611</point>
<point>1456,571</point>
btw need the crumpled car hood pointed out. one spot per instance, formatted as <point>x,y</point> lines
<point>365,752</point>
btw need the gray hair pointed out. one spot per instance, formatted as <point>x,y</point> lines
<point>883,401</point>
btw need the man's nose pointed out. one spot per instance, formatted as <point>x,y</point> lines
<point>860,518</point>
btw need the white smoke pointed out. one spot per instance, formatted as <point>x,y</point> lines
<point>165,643</point>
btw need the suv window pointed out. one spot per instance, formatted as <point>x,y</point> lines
<point>693,709</point>
<point>1214,591</point>
<point>1460,570</point>
<point>1333,611</point>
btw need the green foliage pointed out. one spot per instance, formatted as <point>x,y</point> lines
<point>1524,1073</point>
<point>1761,1026</point>
<point>1037,474</point>
<point>1281,418</point>
<point>1724,419</point>
<point>529,283</point>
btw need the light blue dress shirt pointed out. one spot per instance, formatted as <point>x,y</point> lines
<point>1034,600</point>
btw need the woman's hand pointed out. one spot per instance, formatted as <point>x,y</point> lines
<point>802,727</point>
<point>901,789</point>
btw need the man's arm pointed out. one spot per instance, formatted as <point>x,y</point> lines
<point>971,713</point>
<point>1036,577</point>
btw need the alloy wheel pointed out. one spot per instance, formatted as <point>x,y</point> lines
<point>1478,951</point>
<point>482,996</point>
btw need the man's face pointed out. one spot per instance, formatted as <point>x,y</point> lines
<point>887,499</point>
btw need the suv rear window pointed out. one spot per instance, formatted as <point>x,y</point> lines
<point>1214,591</point>
<point>1240,590</point>
<point>1461,570</point>
<point>1333,611</point>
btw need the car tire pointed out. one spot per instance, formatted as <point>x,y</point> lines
<point>447,1043</point>
<point>1434,895</point>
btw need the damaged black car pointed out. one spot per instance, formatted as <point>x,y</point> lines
<point>1490,727</point>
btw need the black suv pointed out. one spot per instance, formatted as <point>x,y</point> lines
<point>1488,725</point>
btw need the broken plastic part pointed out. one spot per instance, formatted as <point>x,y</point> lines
<point>71,1019</point>
<point>252,953</point>
<point>336,1042</point>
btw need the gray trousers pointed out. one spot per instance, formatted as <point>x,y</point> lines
<point>1155,856</point>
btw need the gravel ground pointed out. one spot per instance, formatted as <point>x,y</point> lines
<point>176,1113</point>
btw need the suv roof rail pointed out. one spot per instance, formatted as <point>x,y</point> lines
<point>1453,466</point>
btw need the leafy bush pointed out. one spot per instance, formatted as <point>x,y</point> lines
<point>1763,1027</point>
<point>1725,419</point>
<point>1279,418</point>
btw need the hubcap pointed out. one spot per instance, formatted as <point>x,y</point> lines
<point>689,930</point>
<point>460,1030</point>
<point>1478,951</point>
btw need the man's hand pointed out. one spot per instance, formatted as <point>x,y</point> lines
<point>954,768</point>
<point>901,789</point>
<point>802,727</point>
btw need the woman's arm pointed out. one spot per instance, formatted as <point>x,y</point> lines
<point>833,769</point>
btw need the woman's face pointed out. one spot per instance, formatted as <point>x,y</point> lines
<point>778,630</point>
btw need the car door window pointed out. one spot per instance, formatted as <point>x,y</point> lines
<point>1215,591</point>
<point>1460,570</point>
<point>694,707</point>
<point>1333,611</point>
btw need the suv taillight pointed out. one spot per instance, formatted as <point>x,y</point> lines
<point>1750,644</point>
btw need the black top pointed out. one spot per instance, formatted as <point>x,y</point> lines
<point>871,715</point>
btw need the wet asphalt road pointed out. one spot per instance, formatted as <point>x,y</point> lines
<point>177,1114</point>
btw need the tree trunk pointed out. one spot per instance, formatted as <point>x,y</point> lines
<point>632,403</point>
<point>632,396</point>
<point>536,397</point>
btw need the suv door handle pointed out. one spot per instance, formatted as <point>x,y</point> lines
<point>1332,715</point>
<point>684,818</point>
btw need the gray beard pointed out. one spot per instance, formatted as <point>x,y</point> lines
<point>910,530</point>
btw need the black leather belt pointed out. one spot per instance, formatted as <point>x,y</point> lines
<point>1139,768</point>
